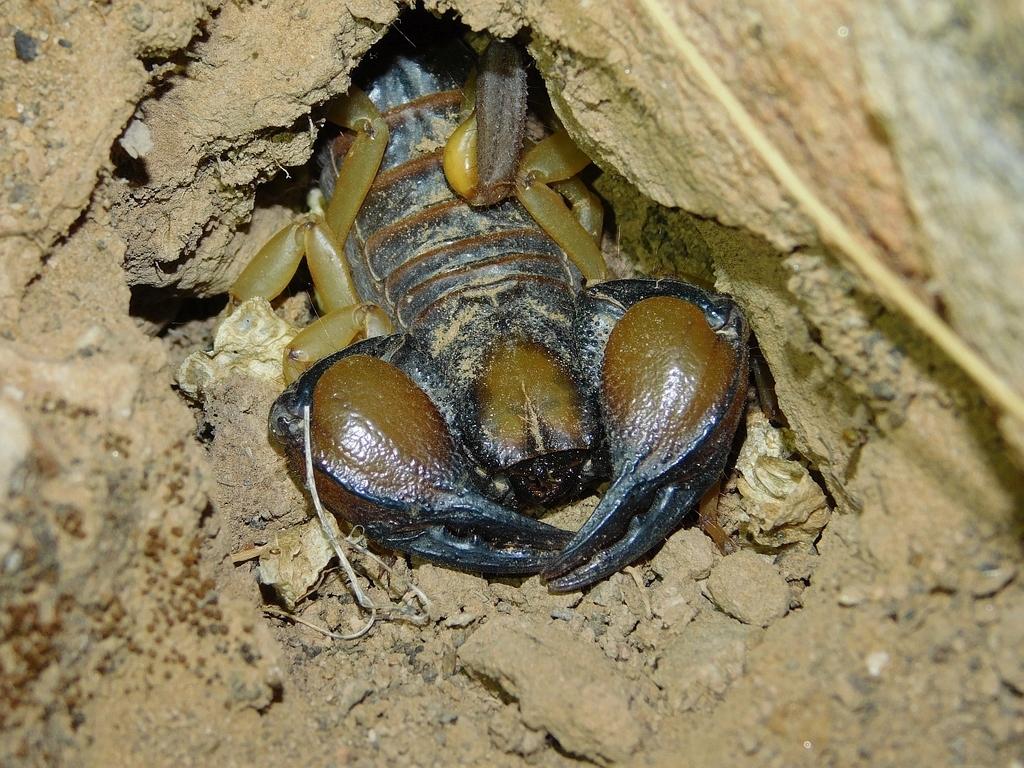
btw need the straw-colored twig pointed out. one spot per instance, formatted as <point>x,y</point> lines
<point>889,286</point>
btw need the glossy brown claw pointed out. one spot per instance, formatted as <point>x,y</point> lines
<point>665,378</point>
<point>672,390</point>
<point>384,460</point>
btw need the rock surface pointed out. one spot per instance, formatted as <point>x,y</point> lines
<point>749,589</point>
<point>565,687</point>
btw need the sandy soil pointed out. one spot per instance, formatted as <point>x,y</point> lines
<point>150,148</point>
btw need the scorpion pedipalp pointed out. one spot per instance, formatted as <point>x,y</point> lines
<point>673,377</point>
<point>384,459</point>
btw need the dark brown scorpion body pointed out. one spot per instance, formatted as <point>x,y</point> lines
<point>508,386</point>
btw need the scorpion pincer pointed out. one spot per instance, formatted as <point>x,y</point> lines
<point>518,378</point>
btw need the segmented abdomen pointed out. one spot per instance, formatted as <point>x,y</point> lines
<point>416,248</point>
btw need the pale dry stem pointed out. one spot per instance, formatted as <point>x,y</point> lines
<point>418,618</point>
<point>832,230</point>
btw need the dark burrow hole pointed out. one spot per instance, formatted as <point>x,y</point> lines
<point>190,323</point>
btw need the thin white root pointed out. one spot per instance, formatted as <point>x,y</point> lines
<point>418,618</point>
<point>832,230</point>
<point>364,601</point>
<point>299,620</point>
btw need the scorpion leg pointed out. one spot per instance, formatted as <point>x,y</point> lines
<point>585,205</point>
<point>362,161</point>
<point>319,240</point>
<point>558,159</point>
<point>673,376</point>
<point>385,460</point>
<point>273,266</point>
<point>335,330</point>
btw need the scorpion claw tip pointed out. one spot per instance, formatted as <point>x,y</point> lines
<point>617,534</point>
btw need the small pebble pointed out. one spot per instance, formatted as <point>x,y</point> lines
<point>851,597</point>
<point>876,663</point>
<point>25,46</point>
<point>689,554</point>
<point>460,620</point>
<point>749,589</point>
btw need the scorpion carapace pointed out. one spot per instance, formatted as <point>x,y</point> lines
<point>509,386</point>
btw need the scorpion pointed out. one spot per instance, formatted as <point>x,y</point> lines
<point>474,364</point>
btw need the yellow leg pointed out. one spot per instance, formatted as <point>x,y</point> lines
<point>585,205</point>
<point>275,264</point>
<point>328,268</point>
<point>558,159</point>
<point>321,241</point>
<point>272,267</point>
<point>334,331</point>
<point>357,112</point>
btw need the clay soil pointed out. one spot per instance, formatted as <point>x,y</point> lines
<point>149,149</point>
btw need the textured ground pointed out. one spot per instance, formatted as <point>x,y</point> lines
<point>137,140</point>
